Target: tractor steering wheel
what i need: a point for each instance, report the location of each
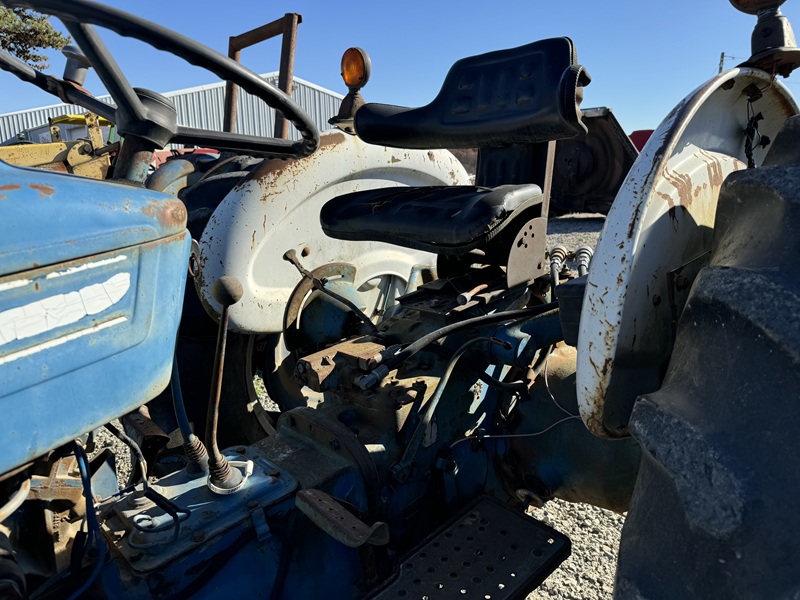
(142, 113)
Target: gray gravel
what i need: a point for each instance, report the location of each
(589, 572)
(122, 454)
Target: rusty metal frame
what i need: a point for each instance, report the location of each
(286, 26)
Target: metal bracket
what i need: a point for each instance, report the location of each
(680, 283)
(260, 524)
(526, 258)
(286, 26)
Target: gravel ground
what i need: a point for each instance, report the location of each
(589, 571)
(588, 574)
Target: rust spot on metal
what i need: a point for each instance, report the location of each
(431, 156)
(607, 365)
(394, 159)
(683, 185)
(44, 190)
(270, 167)
(714, 170)
(602, 371)
(171, 213)
(332, 139)
(10, 187)
(634, 219)
(173, 239)
(667, 198)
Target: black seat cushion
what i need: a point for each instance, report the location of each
(443, 220)
(521, 95)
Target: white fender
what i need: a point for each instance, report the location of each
(661, 221)
(277, 208)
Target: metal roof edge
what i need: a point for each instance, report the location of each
(198, 88)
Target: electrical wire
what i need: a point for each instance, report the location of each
(419, 432)
(16, 500)
(511, 315)
(511, 386)
(492, 436)
(137, 451)
(549, 393)
(179, 406)
(92, 523)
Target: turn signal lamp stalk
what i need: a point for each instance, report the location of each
(773, 46)
(356, 69)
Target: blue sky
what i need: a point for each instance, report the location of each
(644, 55)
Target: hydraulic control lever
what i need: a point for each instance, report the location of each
(222, 479)
(319, 285)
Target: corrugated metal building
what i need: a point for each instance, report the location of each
(201, 107)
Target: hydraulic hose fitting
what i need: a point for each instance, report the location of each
(583, 258)
(558, 258)
(197, 456)
(193, 448)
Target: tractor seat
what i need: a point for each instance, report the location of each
(510, 99)
(442, 220)
(519, 95)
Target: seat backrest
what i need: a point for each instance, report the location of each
(523, 95)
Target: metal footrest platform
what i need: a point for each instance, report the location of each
(489, 552)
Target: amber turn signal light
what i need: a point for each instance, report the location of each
(356, 68)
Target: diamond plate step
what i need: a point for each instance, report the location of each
(489, 552)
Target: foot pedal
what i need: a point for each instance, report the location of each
(336, 521)
(489, 552)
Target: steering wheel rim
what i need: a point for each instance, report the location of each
(79, 15)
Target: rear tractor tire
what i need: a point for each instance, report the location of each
(715, 510)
